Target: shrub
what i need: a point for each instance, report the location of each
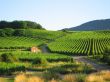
(51, 75)
(80, 77)
(59, 70)
(106, 56)
(8, 57)
(40, 61)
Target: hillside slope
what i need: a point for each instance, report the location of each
(93, 25)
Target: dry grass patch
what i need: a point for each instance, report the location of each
(69, 78)
(101, 76)
(94, 78)
(105, 75)
(35, 79)
(21, 78)
(25, 78)
(2, 79)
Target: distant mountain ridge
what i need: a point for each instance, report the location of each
(93, 25)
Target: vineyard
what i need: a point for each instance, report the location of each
(43, 34)
(29, 56)
(82, 43)
(8, 68)
(18, 42)
(40, 34)
(15, 55)
(25, 59)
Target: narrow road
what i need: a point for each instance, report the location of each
(44, 48)
(96, 65)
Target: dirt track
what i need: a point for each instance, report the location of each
(96, 65)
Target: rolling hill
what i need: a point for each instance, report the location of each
(93, 25)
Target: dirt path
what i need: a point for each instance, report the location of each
(96, 65)
(44, 48)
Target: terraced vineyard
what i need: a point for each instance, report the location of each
(27, 60)
(43, 34)
(82, 43)
(18, 42)
(29, 56)
(8, 68)
(25, 38)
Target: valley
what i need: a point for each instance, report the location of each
(60, 54)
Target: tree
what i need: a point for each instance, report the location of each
(20, 25)
(33, 25)
(4, 24)
(8, 57)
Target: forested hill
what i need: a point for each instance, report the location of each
(20, 25)
(93, 25)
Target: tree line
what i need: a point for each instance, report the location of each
(20, 25)
(15, 32)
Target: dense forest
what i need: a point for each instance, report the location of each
(20, 25)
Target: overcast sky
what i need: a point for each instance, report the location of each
(55, 14)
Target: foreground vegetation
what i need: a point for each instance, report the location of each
(103, 76)
(54, 63)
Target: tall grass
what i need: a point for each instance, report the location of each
(94, 78)
(69, 78)
(25, 78)
(103, 76)
(2, 79)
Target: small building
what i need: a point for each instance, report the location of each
(35, 50)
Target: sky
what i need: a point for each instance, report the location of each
(55, 14)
